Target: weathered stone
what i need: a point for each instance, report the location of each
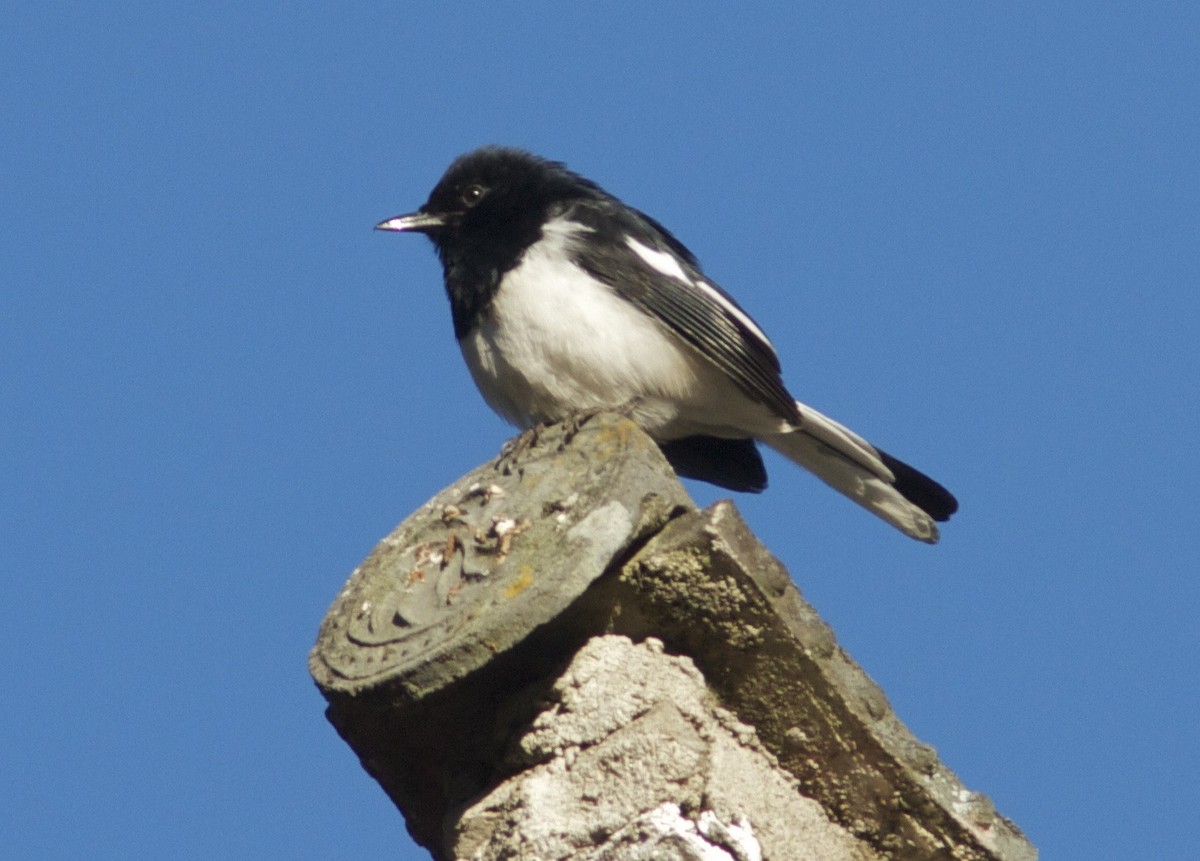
(625, 730)
(707, 588)
(558, 657)
(493, 557)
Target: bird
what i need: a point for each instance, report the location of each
(564, 299)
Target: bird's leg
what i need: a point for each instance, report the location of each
(574, 423)
(512, 450)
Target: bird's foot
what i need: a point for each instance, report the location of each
(574, 423)
(530, 438)
(515, 448)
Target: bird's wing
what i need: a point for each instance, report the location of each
(649, 267)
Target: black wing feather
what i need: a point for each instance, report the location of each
(699, 319)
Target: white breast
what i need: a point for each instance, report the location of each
(556, 341)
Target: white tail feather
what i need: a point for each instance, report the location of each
(849, 464)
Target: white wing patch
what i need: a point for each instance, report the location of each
(661, 261)
(668, 265)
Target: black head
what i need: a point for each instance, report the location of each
(485, 211)
(494, 195)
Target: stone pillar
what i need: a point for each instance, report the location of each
(559, 657)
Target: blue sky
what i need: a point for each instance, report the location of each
(971, 231)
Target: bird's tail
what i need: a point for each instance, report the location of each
(885, 486)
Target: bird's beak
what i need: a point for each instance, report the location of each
(416, 222)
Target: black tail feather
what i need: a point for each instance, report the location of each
(734, 464)
(921, 490)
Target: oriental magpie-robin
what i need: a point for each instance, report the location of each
(565, 299)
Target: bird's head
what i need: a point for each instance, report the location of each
(494, 194)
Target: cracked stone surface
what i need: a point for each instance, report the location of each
(559, 657)
(632, 750)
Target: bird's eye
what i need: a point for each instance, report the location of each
(472, 194)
